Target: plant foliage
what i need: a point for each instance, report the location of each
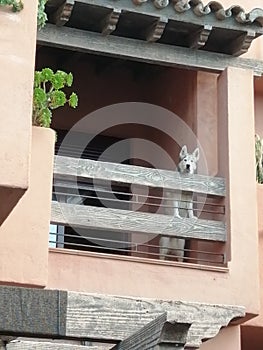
(16, 5)
(41, 14)
(259, 158)
(48, 95)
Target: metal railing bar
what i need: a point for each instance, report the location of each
(92, 188)
(136, 244)
(203, 210)
(137, 252)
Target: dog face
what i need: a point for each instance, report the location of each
(188, 161)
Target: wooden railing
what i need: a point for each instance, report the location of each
(69, 170)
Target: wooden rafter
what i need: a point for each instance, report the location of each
(62, 15)
(155, 32)
(110, 22)
(167, 55)
(199, 38)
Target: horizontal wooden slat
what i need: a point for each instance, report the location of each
(126, 48)
(139, 222)
(41, 345)
(86, 168)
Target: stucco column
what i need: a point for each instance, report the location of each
(24, 234)
(236, 162)
(17, 61)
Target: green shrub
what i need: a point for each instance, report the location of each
(16, 5)
(48, 95)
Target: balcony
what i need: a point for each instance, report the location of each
(124, 209)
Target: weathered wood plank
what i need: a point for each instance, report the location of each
(60, 314)
(145, 338)
(110, 317)
(139, 222)
(137, 175)
(25, 311)
(126, 48)
(157, 332)
(40, 345)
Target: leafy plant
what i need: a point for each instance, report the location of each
(259, 158)
(41, 14)
(48, 95)
(16, 5)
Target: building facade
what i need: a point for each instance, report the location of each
(84, 209)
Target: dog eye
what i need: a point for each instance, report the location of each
(185, 160)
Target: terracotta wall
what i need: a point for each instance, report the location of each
(24, 234)
(258, 321)
(18, 42)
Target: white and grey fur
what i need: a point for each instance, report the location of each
(182, 205)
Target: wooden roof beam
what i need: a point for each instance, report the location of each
(62, 15)
(155, 32)
(110, 22)
(198, 39)
(241, 45)
(138, 50)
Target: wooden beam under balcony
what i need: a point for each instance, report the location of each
(68, 315)
(45, 345)
(158, 334)
(142, 51)
(67, 167)
(138, 222)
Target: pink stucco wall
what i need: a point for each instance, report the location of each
(227, 339)
(18, 42)
(24, 234)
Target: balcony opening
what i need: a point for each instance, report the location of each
(125, 212)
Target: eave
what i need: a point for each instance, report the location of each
(181, 33)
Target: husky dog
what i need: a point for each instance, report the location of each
(182, 206)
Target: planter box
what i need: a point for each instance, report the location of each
(24, 234)
(17, 60)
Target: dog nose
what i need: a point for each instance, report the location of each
(187, 166)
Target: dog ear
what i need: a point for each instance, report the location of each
(196, 153)
(183, 152)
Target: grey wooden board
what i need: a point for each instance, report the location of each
(138, 222)
(32, 311)
(60, 314)
(111, 317)
(40, 345)
(126, 48)
(146, 338)
(86, 168)
(159, 331)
